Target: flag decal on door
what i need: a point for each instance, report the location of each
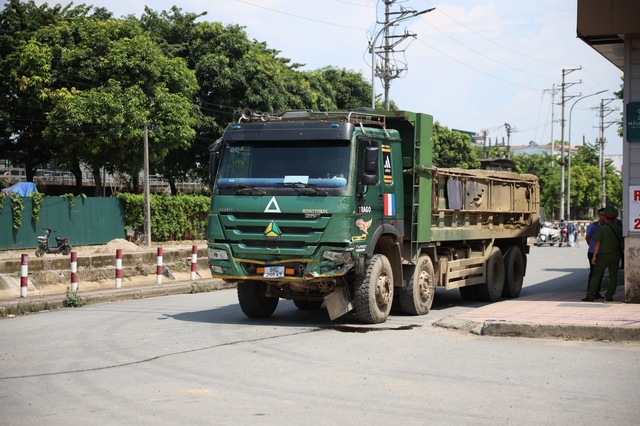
(389, 204)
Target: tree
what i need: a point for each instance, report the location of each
(105, 80)
(22, 110)
(540, 165)
(234, 73)
(452, 149)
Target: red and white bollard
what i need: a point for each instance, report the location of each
(74, 272)
(24, 274)
(159, 266)
(118, 268)
(194, 262)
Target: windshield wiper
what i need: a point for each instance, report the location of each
(307, 188)
(247, 190)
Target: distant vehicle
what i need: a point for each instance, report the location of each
(547, 235)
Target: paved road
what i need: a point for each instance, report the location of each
(195, 359)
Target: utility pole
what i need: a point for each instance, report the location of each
(553, 92)
(509, 129)
(147, 196)
(484, 143)
(565, 98)
(388, 71)
(569, 155)
(601, 142)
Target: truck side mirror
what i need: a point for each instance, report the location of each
(369, 174)
(214, 161)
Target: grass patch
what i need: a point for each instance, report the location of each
(26, 308)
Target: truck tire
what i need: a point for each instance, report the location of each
(307, 305)
(253, 301)
(514, 272)
(416, 297)
(491, 291)
(374, 292)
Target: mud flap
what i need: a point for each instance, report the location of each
(338, 303)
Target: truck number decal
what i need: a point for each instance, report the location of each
(636, 224)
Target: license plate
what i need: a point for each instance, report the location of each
(273, 271)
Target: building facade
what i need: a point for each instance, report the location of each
(612, 28)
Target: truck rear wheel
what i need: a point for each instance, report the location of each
(374, 292)
(253, 299)
(416, 297)
(491, 291)
(514, 272)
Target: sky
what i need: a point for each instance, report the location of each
(474, 65)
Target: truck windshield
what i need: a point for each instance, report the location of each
(288, 164)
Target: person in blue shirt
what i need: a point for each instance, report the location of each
(591, 230)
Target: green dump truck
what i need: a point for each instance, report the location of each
(347, 209)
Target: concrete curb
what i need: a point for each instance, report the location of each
(553, 331)
(92, 297)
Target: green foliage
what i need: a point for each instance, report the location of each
(452, 149)
(586, 181)
(17, 206)
(73, 299)
(37, 205)
(71, 200)
(181, 217)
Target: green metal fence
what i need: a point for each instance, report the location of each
(88, 221)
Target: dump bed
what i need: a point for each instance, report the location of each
(479, 204)
(449, 204)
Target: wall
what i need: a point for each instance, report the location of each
(631, 173)
(92, 220)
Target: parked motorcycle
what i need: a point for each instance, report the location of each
(548, 235)
(43, 244)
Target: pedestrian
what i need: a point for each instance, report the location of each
(572, 232)
(591, 230)
(606, 255)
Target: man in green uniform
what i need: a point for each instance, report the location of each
(606, 254)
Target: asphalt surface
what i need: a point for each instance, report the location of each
(556, 313)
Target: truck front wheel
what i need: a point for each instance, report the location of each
(374, 291)
(253, 299)
(416, 297)
(491, 291)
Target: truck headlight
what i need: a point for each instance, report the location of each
(218, 254)
(337, 256)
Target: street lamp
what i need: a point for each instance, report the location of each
(405, 14)
(569, 154)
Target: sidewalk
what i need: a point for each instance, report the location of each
(552, 315)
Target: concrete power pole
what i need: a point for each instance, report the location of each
(553, 92)
(565, 98)
(388, 70)
(510, 130)
(601, 142)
